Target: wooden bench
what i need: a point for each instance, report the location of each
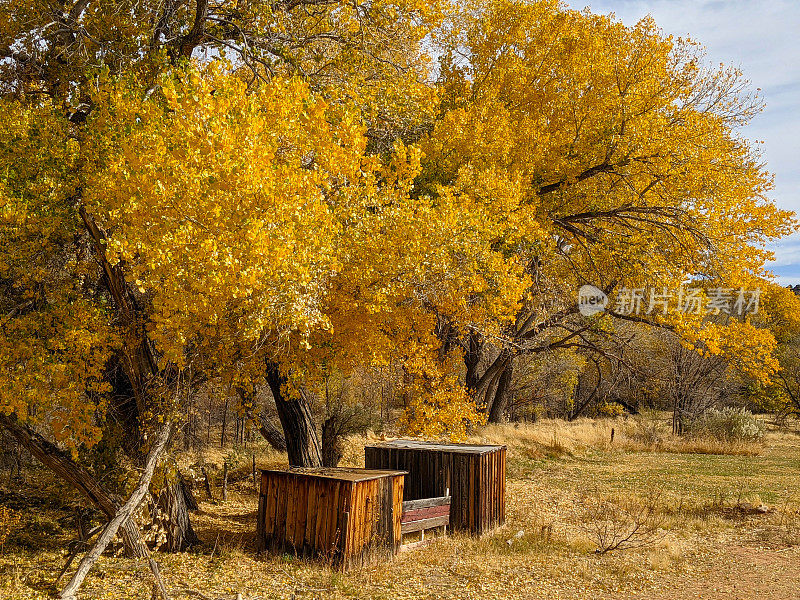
(426, 513)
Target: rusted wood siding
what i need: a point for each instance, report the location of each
(347, 522)
(474, 475)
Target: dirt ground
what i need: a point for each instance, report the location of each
(742, 573)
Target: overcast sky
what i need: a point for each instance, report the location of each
(760, 37)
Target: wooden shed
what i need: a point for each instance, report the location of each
(474, 477)
(348, 516)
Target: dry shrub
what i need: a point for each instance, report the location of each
(728, 424)
(665, 555)
(623, 523)
(789, 526)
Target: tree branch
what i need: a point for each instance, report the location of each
(122, 515)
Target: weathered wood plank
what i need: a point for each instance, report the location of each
(322, 513)
(482, 498)
(363, 520)
(425, 513)
(397, 509)
(270, 521)
(261, 523)
(280, 511)
(502, 471)
(473, 475)
(301, 514)
(425, 503)
(332, 521)
(350, 535)
(413, 526)
(311, 516)
(291, 508)
(370, 500)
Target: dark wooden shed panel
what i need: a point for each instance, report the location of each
(474, 475)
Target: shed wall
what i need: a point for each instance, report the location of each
(342, 521)
(475, 480)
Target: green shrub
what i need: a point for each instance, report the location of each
(728, 424)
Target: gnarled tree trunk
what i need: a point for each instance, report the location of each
(272, 434)
(302, 441)
(133, 370)
(496, 406)
(60, 463)
(472, 358)
(180, 534)
(268, 431)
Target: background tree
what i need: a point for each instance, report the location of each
(625, 171)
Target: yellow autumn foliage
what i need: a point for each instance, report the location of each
(310, 198)
(621, 162)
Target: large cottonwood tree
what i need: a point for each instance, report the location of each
(161, 219)
(605, 155)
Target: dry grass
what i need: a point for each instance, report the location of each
(691, 445)
(543, 551)
(552, 438)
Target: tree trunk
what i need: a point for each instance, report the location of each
(268, 431)
(224, 423)
(188, 495)
(472, 358)
(136, 366)
(497, 405)
(176, 498)
(577, 409)
(207, 483)
(331, 443)
(272, 434)
(484, 403)
(302, 442)
(180, 534)
(490, 376)
(139, 363)
(448, 337)
(122, 405)
(677, 417)
(60, 463)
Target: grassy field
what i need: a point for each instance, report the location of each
(711, 526)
